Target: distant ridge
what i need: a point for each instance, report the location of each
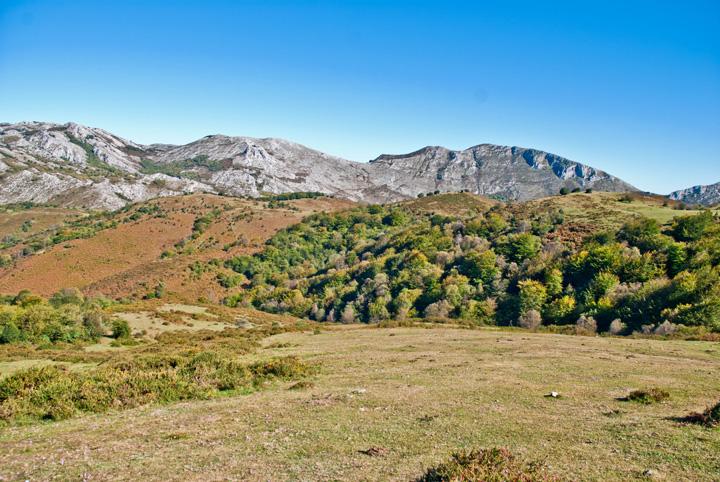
(706, 195)
(74, 165)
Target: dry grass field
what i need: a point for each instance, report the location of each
(412, 395)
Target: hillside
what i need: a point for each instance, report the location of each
(128, 252)
(611, 263)
(73, 165)
(293, 339)
(706, 195)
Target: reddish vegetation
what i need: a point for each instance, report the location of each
(126, 260)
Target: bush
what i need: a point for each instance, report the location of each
(530, 320)
(586, 325)
(709, 418)
(10, 333)
(617, 327)
(646, 397)
(120, 329)
(487, 465)
(53, 393)
(666, 328)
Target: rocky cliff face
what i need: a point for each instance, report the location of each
(490, 170)
(74, 165)
(705, 195)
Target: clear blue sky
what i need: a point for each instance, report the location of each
(632, 87)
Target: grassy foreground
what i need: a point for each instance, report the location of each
(390, 403)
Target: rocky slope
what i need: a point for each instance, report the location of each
(506, 172)
(706, 195)
(74, 165)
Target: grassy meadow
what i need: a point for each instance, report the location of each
(389, 403)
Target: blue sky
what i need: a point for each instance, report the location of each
(630, 87)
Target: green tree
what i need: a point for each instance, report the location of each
(479, 265)
(532, 295)
(691, 228)
(554, 282)
(520, 247)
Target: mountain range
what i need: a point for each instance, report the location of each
(705, 195)
(74, 165)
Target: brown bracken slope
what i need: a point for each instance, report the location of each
(159, 241)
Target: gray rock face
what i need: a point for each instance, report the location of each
(74, 165)
(506, 172)
(706, 195)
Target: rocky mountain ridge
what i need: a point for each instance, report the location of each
(707, 195)
(74, 165)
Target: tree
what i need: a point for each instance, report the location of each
(404, 302)
(560, 309)
(520, 247)
(480, 265)
(554, 282)
(564, 191)
(532, 296)
(480, 312)
(377, 309)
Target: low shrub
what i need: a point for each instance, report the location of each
(709, 418)
(586, 325)
(120, 329)
(530, 320)
(617, 327)
(651, 395)
(487, 465)
(55, 393)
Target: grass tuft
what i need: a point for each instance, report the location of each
(487, 465)
(647, 397)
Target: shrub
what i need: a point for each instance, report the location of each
(586, 325)
(666, 328)
(67, 296)
(120, 329)
(487, 465)
(10, 333)
(617, 327)
(54, 393)
(530, 320)
(646, 397)
(348, 314)
(438, 310)
(709, 418)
